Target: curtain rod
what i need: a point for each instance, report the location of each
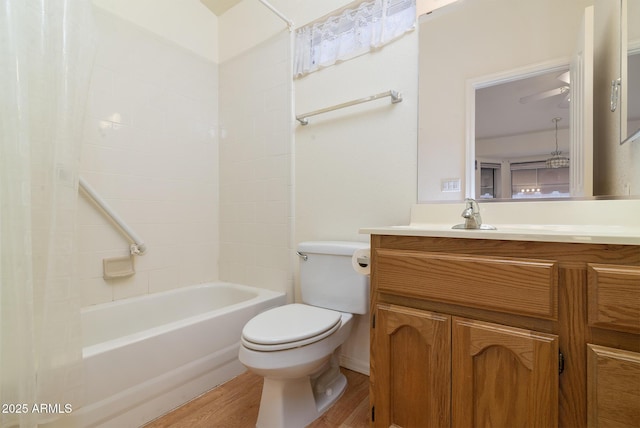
(277, 12)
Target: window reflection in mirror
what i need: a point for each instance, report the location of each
(535, 180)
(529, 180)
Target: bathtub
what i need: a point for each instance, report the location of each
(145, 356)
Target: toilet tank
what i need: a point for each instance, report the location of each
(328, 279)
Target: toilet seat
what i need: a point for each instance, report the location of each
(289, 326)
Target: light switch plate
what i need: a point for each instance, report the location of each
(450, 185)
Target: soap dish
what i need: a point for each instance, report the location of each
(117, 267)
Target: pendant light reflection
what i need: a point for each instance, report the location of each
(557, 161)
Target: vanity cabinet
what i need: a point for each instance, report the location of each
(613, 375)
(502, 333)
(413, 375)
(434, 370)
(496, 369)
(613, 387)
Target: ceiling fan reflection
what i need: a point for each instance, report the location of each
(562, 90)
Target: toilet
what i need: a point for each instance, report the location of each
(296, 347)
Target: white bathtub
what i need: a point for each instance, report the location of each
(147, 355)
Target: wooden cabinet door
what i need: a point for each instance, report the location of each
(411, 369)
(613, 387)
(503, 376)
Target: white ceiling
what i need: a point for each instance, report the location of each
(499, 111)
(219, 6)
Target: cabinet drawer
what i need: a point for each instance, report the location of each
(614, 297)
(518, 286)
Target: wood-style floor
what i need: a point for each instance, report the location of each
(235, 405)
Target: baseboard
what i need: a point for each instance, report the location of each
(354, 364)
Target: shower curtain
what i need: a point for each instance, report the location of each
(46, 54)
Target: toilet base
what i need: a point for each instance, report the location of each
(293, 403)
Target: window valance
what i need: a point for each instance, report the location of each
(369, 25)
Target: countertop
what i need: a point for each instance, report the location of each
(593, 234)
(594, 222)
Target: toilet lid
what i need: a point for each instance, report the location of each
(285, 326)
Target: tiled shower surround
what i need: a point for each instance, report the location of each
(255, 166)
(194, 156)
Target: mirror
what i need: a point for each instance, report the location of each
(469, 41)
(629, 96)
(616, 158)
(633, 88)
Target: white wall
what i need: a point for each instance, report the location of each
(151, 150)
(187, 23)
(356, 166)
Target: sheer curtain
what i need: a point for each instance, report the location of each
(352, 32)
(46, 53)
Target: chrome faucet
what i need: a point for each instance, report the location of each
(472, 218)
(471, 214)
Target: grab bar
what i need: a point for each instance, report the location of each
(138, 247)
(396, 97)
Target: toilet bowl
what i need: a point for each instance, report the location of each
(296, 347)
(300, 383)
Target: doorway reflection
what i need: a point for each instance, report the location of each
(515, 135)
